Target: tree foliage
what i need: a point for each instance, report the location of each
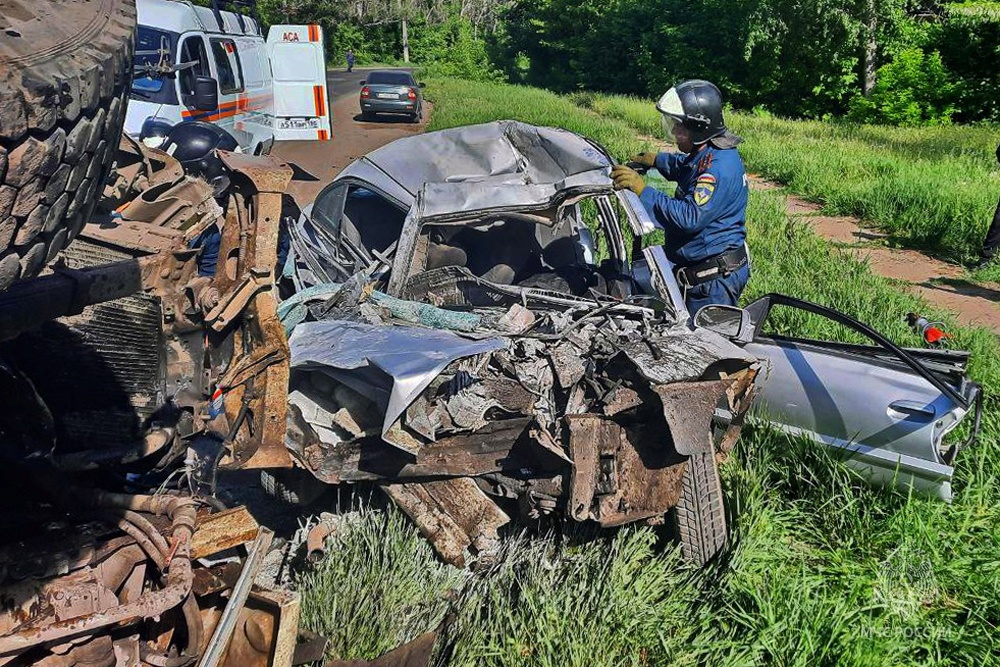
(914, 89)
(893, 61)
(445, 34)
(797, 58)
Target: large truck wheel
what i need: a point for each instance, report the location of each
(65, 75)
(701, 512)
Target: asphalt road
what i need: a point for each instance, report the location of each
(316, 163)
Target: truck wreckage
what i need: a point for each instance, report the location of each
(495, 340)
(120, 387)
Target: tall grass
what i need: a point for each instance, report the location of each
(934, 188)
(821, 567)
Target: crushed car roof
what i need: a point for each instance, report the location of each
(504, 152)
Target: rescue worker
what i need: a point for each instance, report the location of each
(350, 59)
(991, 244)
(704, 222)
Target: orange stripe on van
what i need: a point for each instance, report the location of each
(318, 100)
(323, 135)
(227, 109)
(313, 33)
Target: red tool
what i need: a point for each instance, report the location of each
(933, 333)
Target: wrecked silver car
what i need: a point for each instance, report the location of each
(485, 324)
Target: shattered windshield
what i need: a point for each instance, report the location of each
(153, 77)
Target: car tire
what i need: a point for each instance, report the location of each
(415, 118)
(293, 486)
(65, 74)
(367, 115)
(701, 512)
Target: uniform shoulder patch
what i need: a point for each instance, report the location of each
(704, 188)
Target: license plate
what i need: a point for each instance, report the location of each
(388, 96)
(298, 123)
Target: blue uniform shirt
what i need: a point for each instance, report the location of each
(707, 214)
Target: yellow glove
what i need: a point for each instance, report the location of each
(627, 178)
(646, 159)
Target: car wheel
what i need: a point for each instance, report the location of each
(65, 74)
(415, 118)
(701, 512)
(367, 115)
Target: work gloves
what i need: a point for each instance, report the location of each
(645, 159)
(625, 178)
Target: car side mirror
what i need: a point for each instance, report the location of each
(206, 93)
(361, 83)
(422, 84)
(729, 321)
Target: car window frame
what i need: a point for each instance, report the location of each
(340, 204)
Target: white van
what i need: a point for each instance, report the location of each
(199, 63)
(301, 104)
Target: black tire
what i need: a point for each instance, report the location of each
(367, 115)
(291, 485)
(65, 74)
(701, 512)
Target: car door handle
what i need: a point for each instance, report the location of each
(910, 409)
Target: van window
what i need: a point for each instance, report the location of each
(228, 63)
(192, 51)
(152, 63)
(253, 78)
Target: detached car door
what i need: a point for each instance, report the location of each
(887, 408)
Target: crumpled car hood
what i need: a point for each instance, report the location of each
(390, 364)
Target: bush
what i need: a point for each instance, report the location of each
(452, 50)
(913, 90)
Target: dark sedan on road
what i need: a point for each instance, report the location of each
(391, 91)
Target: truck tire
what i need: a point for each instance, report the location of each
(65, 74)
(293, 486)
(701, 512)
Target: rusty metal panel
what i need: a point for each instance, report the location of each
(621, 474)
(416, 653)
(688, 408)
(584, 433)
(499, 445)
(453, 514)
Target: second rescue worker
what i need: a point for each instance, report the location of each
(704, 222)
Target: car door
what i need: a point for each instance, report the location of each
(886, 408)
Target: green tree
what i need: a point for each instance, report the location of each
(914, 89)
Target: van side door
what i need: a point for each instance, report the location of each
(254, 115)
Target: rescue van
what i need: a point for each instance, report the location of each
(301, 107)
(202, 63)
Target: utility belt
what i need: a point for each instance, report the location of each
(719, 266)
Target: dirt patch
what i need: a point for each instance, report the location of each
(944, 285)
(316, 163)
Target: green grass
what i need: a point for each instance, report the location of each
(933, 188)
(806, 582)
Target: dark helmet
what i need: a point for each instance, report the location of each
(154, 131)
(695, 104)
(194, 145)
